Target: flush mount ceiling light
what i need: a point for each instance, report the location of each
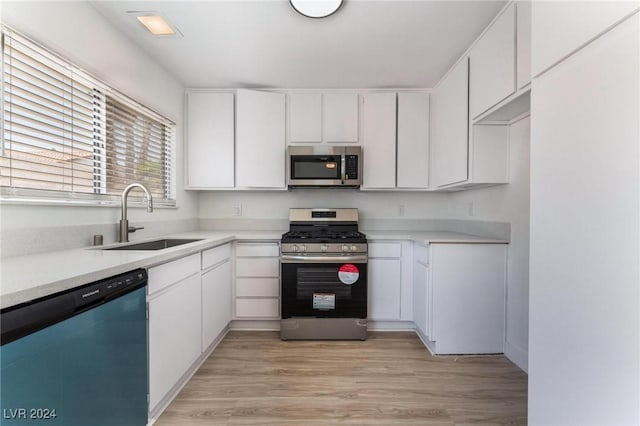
(156, 25)
(316, 8)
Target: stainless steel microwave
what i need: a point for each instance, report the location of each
(324, 166)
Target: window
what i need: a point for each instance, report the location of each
(68, 136)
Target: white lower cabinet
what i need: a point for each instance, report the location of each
(384, 289)
(421, 290)
(175, 321)
(389, 292)
(468, 298)
(257, 282)
(216, 296)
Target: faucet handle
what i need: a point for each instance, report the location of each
(134, 229)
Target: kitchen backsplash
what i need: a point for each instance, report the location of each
(24, 241)
(498, 230)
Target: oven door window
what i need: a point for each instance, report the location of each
(321, 290)
(316, 167)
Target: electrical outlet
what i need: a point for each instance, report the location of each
(237, 210)
(400, 210)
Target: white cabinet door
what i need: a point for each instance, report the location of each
(585, 167)
(305, 117)
(216, 302)
(379, 140)
(523, 43)
(492, 74)
(468, 297)
(384, 289)
(260, 139)
(340, 117)
(175, 324)
(558, 28)
(450, 127)
(210, 153)
(413, 140)
(420, 297)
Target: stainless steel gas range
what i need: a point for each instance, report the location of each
(324, 276)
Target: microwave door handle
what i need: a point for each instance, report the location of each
(343, 168)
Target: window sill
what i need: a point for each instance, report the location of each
(81, 203)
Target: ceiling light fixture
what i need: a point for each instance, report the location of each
(156, 25)
(316, 8)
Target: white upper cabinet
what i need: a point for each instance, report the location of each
(379, 140)
(340, 117)
(492, 72)
(523, 43)
(489, 154)
(210, 151)
(561, 27)
(413, 141)
(305, 117)
(449, 127)
(260, 139)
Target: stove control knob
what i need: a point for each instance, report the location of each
(303, 247)
(294, 247)
(323, 247)
(354, 248)
(345, 248)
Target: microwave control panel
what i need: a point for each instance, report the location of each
(351, 167)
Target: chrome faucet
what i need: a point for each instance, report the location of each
(124, 223)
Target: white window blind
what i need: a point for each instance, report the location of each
(66, 135)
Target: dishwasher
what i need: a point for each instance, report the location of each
(78, 357)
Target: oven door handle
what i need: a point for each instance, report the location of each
(289, 258)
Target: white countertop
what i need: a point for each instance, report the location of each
(431, 237)
(26, 278)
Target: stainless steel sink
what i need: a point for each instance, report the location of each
(156, 244)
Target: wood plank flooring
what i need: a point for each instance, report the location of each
(254, 378)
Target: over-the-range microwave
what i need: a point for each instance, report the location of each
(324, 166)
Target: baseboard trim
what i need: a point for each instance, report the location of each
(518, 356)
(274, 325)
(426, 342)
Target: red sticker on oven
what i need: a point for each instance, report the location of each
(348, 273)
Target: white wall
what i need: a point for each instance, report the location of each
(508, 203)
(79, 33)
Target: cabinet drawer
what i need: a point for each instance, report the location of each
(385, 250)
(215, 255)
(164, 275)
(257, 287)
(258, 250)
(421, 254)
(257, 308)
(258, 267)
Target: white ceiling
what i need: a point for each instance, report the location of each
(366, 44)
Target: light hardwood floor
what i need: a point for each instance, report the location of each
(254, 378)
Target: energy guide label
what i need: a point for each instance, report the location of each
(324, 301)
(348, 274)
